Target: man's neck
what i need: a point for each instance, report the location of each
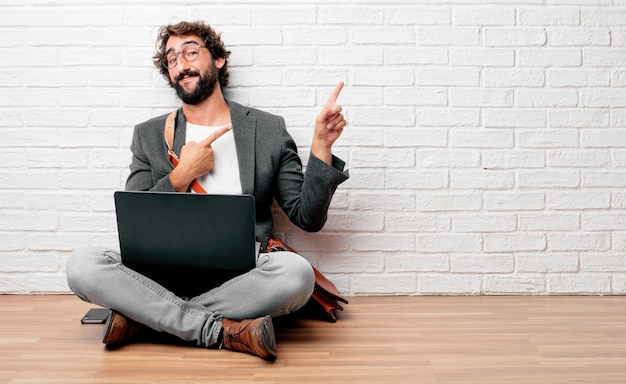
(214, 111)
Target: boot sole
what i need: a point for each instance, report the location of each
(268, 340)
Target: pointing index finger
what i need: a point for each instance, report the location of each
(335, 94)
(216, 135)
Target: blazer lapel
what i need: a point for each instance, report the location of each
(179, 133)
(244, 130)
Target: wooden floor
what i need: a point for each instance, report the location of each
(474, 339)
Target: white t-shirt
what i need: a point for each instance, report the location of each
(224, 178)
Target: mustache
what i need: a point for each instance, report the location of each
(187, 73)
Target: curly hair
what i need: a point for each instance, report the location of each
(212, 41)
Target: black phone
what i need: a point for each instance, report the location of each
(95, 316)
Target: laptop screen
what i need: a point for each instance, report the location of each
(186, 230)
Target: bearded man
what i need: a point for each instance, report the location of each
(229, 149)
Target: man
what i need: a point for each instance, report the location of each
(227, 148)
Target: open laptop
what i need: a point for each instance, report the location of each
(166, 231)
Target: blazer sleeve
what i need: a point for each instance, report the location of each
(149, 168)
(305, 197)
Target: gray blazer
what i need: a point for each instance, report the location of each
(269, 167)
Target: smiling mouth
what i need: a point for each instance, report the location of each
(187, 75)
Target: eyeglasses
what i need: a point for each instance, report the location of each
(190, 53)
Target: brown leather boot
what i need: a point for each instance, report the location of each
(120, 330)
(255, 336)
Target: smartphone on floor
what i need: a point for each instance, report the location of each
(95, 316)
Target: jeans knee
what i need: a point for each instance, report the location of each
(300, 278)
(306, 277)
(81, 269)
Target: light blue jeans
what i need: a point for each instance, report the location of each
(282, 282)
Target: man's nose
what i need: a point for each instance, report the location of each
(181, 62)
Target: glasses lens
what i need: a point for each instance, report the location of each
(169, 61)
(191, 52)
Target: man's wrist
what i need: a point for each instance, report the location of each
(179, 181)
(322, 152)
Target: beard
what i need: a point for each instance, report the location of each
(205, 87)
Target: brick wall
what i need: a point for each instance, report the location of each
(486, 145)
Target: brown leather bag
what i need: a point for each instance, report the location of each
(325, 295)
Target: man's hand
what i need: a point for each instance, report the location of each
(196, 159)
(328, 127)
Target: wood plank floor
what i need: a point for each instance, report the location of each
(510, 339)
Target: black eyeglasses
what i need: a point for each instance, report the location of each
(189, 52)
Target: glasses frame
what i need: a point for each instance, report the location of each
(165, 60)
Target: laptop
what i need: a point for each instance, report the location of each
(186, 231)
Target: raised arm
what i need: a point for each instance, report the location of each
(328, 127)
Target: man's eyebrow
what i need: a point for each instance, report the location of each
(184, 44)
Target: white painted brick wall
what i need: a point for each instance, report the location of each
(486, 145)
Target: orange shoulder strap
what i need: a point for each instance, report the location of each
(168, 132)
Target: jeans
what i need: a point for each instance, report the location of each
(281, 282)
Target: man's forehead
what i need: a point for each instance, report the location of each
(181, 41)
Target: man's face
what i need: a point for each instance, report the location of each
(194, 81)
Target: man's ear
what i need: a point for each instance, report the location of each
(219, 62)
